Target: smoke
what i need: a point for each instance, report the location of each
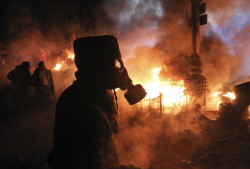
(220, 67)
(147, 140)
(231, 25)
(151, 33)
(146, 30)
(165, 40)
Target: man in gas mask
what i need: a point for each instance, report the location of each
(86, 114)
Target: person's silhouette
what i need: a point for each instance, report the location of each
(86, 115)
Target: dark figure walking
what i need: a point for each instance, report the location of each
(86, 115)
(44, 86)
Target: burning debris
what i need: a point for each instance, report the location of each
(165, 96)
(65, 63)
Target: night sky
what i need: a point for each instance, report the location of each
(49, 17)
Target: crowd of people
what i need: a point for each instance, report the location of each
(27, 88)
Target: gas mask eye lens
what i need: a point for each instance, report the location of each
(119, 65)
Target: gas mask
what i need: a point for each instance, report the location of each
(134, 93)
(99, 58)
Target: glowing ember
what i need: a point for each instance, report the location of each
(58, 66)
(172, 92)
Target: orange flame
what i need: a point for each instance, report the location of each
(172, 92)
(71, 55)
(63, 63)
(217, 93)
(58, 66)
(230, 95)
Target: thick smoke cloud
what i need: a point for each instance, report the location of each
(168, 41)
(220, 67)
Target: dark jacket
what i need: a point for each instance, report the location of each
(85, 122)
(43, 80)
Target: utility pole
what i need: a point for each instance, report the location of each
(196, 83)
(197, 18)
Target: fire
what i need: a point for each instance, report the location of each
(172, 92)
(229, 95)
(58, 66)
(66, 61)
(217, 93)
(71, 56)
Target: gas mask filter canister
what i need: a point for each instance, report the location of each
(134, 93)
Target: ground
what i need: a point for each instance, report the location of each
(182, 141)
